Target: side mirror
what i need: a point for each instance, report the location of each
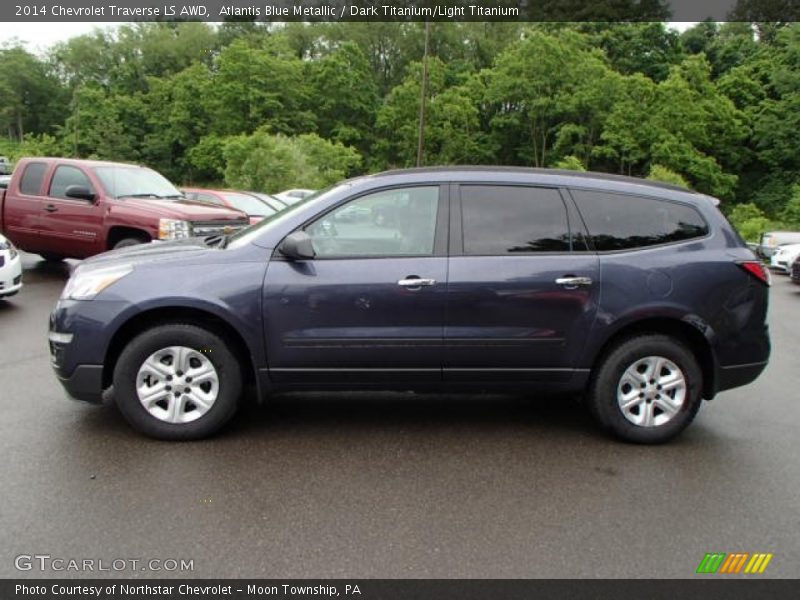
(297, 246)
(81, 192)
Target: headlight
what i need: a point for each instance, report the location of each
(173, 229)
(7, 245)
(85, 285)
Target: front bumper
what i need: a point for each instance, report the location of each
(85, 383)
(10, 275)
(79, 338)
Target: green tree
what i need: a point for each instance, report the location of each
(96, 127)
(750, 221)
(570, 163)
(662, 173)
(542, 84)
(258, 85)
(647, 48)
(31, 99)
(265, 162)
(346, 96)
(790, 215)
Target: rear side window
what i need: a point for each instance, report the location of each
(501, 219)
(66, 176)
(620, 222)
(31, 183)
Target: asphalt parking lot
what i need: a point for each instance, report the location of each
(395, 485)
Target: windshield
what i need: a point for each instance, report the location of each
(136, 181)
(271, 200)
(248, 234)
(248, 204)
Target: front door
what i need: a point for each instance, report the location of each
(70, 226)
(370, 305)
(522, 286)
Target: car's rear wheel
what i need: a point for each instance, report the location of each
(177, 382)
(647, 389)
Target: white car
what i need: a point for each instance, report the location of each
(293, 196)
(10, 269)
(783, 257)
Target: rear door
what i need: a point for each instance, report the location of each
(71, 226)
(370, 306)
(522, 291)
(23, 204)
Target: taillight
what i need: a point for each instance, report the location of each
(757, 270)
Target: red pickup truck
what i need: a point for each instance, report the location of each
(59, 207)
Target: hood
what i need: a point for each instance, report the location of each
(186, 210)
(145, 253)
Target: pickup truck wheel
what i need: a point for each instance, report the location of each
(124, 243)
(647, 389)
(49, 257)
(177, 382)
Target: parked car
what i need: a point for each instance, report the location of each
(254, 207)
(771, 240)
(293, 196)
(58, 207)
(5, 166)
(637, 294)
(278, 205)
(10, 269)
(783, 257)
(4, 180)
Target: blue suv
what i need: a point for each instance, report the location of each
(639, 296)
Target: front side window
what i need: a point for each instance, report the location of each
(398, 222)
(31, 182)
(504, 219)
(66, 176)
(621, 222)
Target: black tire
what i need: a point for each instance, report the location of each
(197, 338)
(607, 376)
(50, 257)
(131, 241)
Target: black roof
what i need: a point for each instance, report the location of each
(589, 175)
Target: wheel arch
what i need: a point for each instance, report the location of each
(689, 334)
(119, 232)
(179, 314)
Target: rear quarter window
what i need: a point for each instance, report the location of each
(623, 222)
(31, 183)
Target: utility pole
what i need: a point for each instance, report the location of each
(77, 115)
(423, 97)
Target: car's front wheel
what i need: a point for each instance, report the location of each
(646, 389)
(177, 381)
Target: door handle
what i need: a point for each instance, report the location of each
(573, 282)
(50, 207)
(412, 281)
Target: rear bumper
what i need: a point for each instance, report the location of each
(738, 375)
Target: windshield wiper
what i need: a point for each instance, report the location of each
(144, 195)
(218, 240)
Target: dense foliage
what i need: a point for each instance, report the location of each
(716, 108)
